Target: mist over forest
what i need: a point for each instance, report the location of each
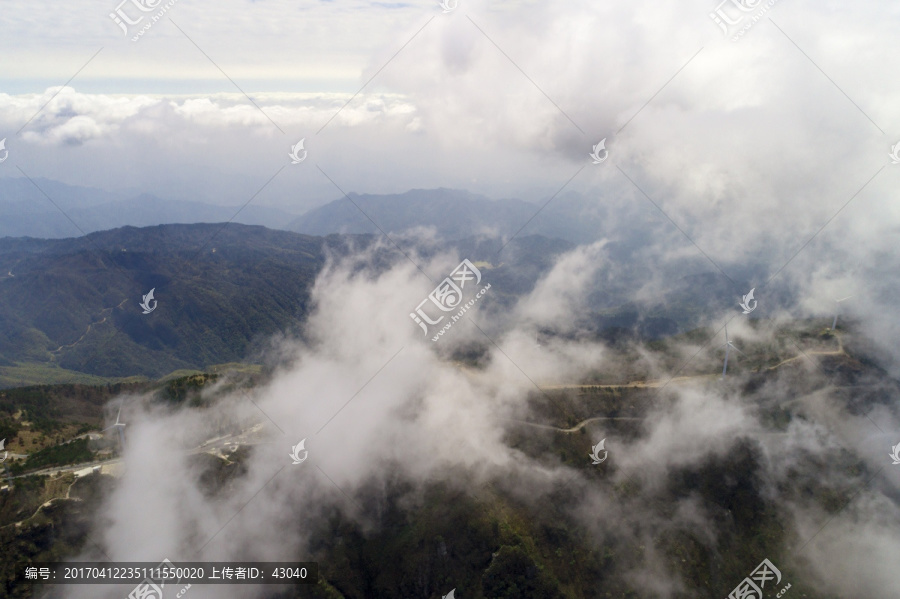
(451, 299)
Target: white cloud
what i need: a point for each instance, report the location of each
(750, 149)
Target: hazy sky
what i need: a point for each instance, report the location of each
(503, 97)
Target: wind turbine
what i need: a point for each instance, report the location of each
(728, 345)
(9, 482)
(120, 427)
(837, 309)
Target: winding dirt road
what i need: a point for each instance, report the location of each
(653, 384)
(633, 384)
(578, 426)
(80, 339)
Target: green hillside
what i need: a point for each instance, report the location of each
(71, 307)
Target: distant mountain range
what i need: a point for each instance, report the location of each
(49, 209)
(69, 301)
(455, 214)
(52, 210)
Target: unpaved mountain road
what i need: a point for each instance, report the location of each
(656, 384)
(88, 330)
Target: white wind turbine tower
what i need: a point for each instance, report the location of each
(837, 310)
(728, 345)
(120, 427)
(9, 482)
